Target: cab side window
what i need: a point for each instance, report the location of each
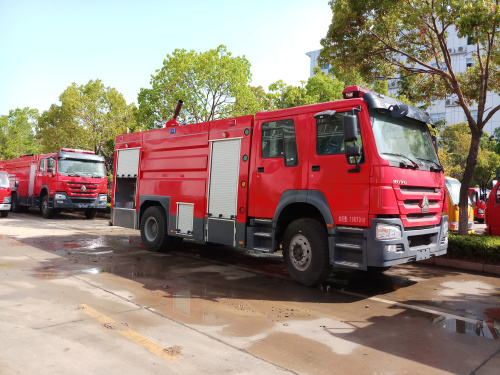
(278, 141)
(497, 198)
(330, 136)
(43, 163)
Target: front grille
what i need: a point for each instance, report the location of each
(82, 200)
(420, 216)
(421, 240)
(75, 189)
(418, 190)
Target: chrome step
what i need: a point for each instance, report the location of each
(347, 264)
(263, 234)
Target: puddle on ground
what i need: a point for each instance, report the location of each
(489, 329)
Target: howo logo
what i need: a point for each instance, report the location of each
(425, 204)
(399, 182)
(83, 189)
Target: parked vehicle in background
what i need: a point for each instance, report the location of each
(67, 180)
(478, 198)
(452, 209)
(354, 183)
(493, 211)
(5, 193)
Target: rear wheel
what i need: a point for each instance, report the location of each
(47, 212)
(4, 213)
(90, 213)
(305, 251)
(154, 231)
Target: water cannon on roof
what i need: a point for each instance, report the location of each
(174, 121)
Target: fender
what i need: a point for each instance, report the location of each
(164, 202)
(313, 197)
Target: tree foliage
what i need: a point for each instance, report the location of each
(408, 39)
(17, 133)
(88, 117)
(210, 83)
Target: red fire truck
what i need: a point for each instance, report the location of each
(493, 211)
(5, 193)
(354, 183)
(67, 180)
(478, 198)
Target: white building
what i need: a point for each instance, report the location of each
(461, 55)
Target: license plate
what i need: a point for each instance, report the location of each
(423, 254)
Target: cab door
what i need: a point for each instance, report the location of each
(345, 187)
(276, 164)
(40, 175)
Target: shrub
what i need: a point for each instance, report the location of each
(475, 247)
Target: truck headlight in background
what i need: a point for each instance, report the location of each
(480, 211)
(7, 200)
(388, 231)
(103, 198)
(60, 196)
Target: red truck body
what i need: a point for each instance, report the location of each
(291, 180)
(478, 200)
(67, 180)
(5, 193)
(493, 211)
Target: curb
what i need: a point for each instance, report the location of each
(463, 265)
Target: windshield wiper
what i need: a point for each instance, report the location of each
(413, 164)
(439, 166)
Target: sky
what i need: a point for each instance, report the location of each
(46, 45)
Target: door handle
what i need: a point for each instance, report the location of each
(260, 169)
(315, 168)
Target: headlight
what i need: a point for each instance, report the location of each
(388, 231)
(480, 211)
(103, 198)
(60, 196)
(445, 228)
(6, 200)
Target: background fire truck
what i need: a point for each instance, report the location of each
(354, 183)
(67, 180)
(5, 193)
(493, 211)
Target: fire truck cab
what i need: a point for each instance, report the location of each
(354, 183)
(5, 193)
(493, 211)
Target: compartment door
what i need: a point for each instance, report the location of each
(223, 191)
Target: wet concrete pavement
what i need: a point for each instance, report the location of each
(80, 296)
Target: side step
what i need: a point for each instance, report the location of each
(349, 248)
(260, 235)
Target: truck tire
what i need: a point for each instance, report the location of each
(15, 204)
(4, 213)
(90, 213)
(154, 233)
(47, 212)
(305, 251)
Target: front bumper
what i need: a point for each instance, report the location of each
(63, 201)
(414, 244)
(4, 206)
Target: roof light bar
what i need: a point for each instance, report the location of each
(354, 92)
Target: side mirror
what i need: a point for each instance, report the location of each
(352, 150)
(350, 124)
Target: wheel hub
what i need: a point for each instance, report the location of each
(151, 229)
(300, 252)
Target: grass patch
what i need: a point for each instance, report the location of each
(475, 247)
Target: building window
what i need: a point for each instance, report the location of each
(438, 117)
(474, 114)
(469, 62)
(469, 40)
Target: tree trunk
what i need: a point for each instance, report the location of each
(466, 181)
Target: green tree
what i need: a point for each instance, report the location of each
(408, 38)
(324, 87)
(210, 83)
(17, 133)
(88, 117)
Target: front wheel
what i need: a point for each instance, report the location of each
(90, 213)
(305, 251)
(15, 204)
(47, 212)
(154, 231)
(4, 213)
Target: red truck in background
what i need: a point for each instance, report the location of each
(354, 183)
(5, 193)
(478, 198)
(493, 211)
(66, 180)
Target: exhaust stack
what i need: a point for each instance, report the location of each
(174, 122)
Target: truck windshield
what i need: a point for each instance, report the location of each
(81, 168)
(403, 139)
(4, 180)
(453, 187)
